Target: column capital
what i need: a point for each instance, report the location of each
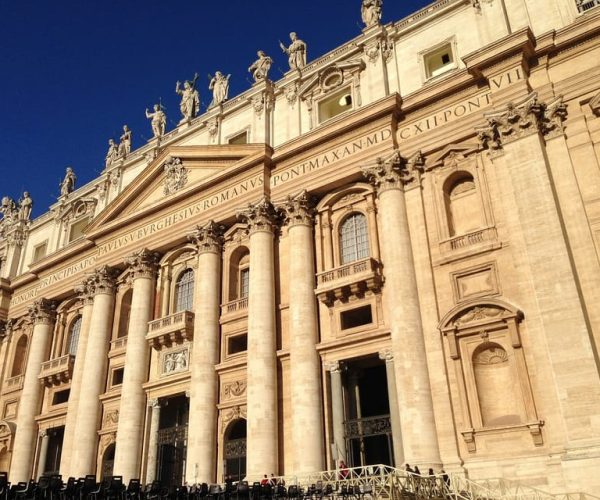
(207, 238)
(85, 292)
(297, 210)
(103, 281)
(520, 119)
(335, 366)
(154, 404)
(143, 264)
(43, 311)
(386, 355)
(394, 171)
(43, 433)
(6, 328)
(259, 217)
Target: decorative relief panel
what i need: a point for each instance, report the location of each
(230, 414)
(175, 362)
(176, 176)
(475, 282)
(111, 418)
(232, 390)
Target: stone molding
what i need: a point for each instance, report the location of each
(595, 104)
(523, 118)
(259, 217)
(103, 281)
(43, 312)
(143, 264)
(297, 210)
(207, 238)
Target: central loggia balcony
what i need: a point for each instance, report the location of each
(355, 278)
(173, 329)
(57, 371)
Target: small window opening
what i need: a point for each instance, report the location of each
(39, 252)
(117, 377)
(61, 397)
(237, 344)
(335, 105)
(356, 317)
(240, 138)
(439, 61)
(77, 229)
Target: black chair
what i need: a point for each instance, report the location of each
(154, 491)
(25, 490)
(328, 491)
(43, 488)
(134, 490)
(203, 491)
(293, 492)
(280, 492)
(215, 491)
(87, 485)
(242, 490)
(4, 485)
(56, 486)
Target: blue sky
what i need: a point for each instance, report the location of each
(73, 72)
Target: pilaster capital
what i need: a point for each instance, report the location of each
(207, 238)
(43, 312)
(521, 119)
(16, 236)
(297, 210)
(85, 292)
(335, 367)
(259, 217)
(386, 355)
(43, 433)
(103, 281)
(143, 264)
(154, 404)
(394, 171)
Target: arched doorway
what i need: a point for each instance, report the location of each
(108, 461)
(235, 450)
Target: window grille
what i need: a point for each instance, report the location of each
(583, 5)
(74, 336)
(354, 239)
(244, 282)
(184, 291)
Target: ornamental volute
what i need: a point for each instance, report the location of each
(143, 264)
(43, 312)
(207, 238)
(259, 217)
(297, 210)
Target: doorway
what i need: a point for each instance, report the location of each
(235, 450)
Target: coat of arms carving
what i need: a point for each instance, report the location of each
(176, 176)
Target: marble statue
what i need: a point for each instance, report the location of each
(8, 209)
(190, 99)
(25, 207)
(68, 184)
(219, 84)
(371, 12)
(260, 68)
(125, 144)
(112, 153)
(159, 121)
(296, 52)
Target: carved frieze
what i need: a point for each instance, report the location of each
(232, 390)
(477, 314)
(230, 414)
(208, 238)
(176, 176)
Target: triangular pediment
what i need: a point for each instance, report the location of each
(177, 173)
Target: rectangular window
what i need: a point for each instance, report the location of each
(39, 252)
(237, 344)
(354, 318)
(77, 228)
(61, 397)
(335, 105)
(439, 61)
(239, 138)
(244, 282)
(117, 376)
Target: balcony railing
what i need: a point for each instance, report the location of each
(173, 329)
(583, 5)
(469, 240)
(13, 384)
(351, 279)
(119, 344)
(57, 371)
(235, 306)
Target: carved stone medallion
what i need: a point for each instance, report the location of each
(176, 176)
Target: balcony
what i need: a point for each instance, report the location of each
(13, 384)
(118, 346)
(585, 5)
(355, 278)
(57, 371)
(173, 329)
(466, 241)
(238, 306)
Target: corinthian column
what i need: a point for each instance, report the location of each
(86, 295)
(202, 434)
(43, 315)
(143, 267)
(153, 441)
(85, 446)
(401, 300)
(305, 364)
(262, 440)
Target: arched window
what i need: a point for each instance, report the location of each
(496, 382)
(184, 291)
(74, 336)
(239, 274)
(20, 353)
(354, 238)
(125, 313)
(244, 276)
(463, 205)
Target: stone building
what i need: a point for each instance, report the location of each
(390, 255)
